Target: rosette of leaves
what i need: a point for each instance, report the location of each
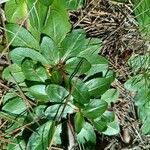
(60, 76)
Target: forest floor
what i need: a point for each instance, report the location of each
(115, 25)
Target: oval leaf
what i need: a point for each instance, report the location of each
(50, 50)
(80, 93)
(73, 44)
(22, 37)
(39, 92)
(33, 72)
(110, 95)
(15, 11)
(112, 128)
(98, 86)
(13, 73)
(79, 122)
(18, 54)
(79, 64)
(87, 134)
(56, 93)
(57, 109)
(14, 106)
(95, 108)
(40, 139)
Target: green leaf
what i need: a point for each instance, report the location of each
(98, 64)
(14, 106)
(145, 127)
(52, 93)
(40, 111)
(79, 122)
(98, 86)
(40, 139)
(16, 123)
(56, 76)
(80, 93)
(22, 37)
(143, 112)
(39, 93)
(50, 50)
(13, 73)
(18, 54)
(142, 97)
(101, 122)
(87, 134)
(15, 11)
(37, 16)
(56, 93)
(19, 145)
(79, 64)
(73, 44)
(34, 72)
(52, 110)
(74, 4)
(46, 2)
(56, 23)
(112, 128)
(142, 13)
(95, 108)
(9, 95)
(110, 95)
(135, 83)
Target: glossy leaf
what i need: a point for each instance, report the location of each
(15, 106)
(145, 127)
(135, 83)
(142, 13)
(56, 93)
(95, 108)
(142, 97)
(19, 145)
(22, 37)
(91, 47)
(46, 2)
(15, 11)
(112, 128)
(98, 64)
(74, 4)
(80, 93)
(18, 54)
(42, 137)
(110, 95)
(79, 122)
(98, 86)
(87, 134)
(33, 72)
(101, 122)
(56, 23)
(40, 111)
(50, 50)
(13, 73)
(56, 76)
(55, 111)
(37, 16)
(73, 44)
(39, 92)
(79, 64)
